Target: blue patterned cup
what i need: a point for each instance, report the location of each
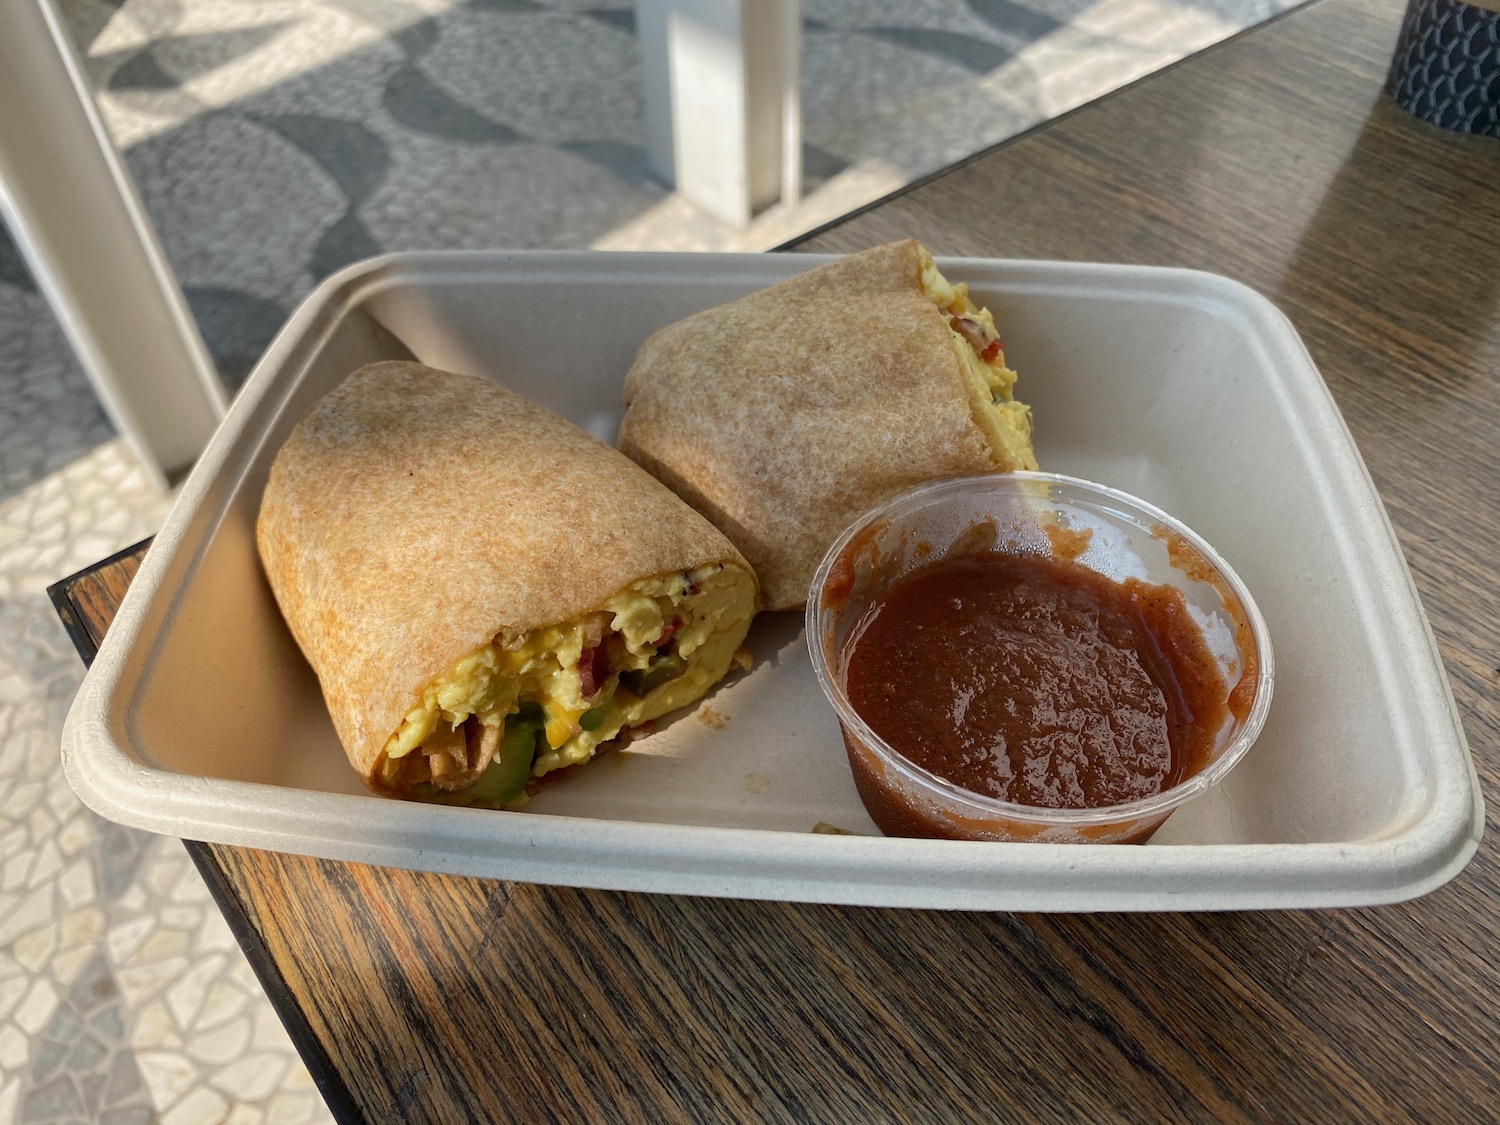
(1446, 69)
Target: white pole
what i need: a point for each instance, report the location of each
(791, 102)
(75, 214)
(722, 103)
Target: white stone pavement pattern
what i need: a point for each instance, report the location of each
(274, 142)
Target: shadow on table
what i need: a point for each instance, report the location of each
(1445, 294)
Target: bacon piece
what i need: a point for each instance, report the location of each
(445, 755)
(667, 630)
(593, 661)
(593, 670)
(979, 339)
(481, 742)
(456, 758)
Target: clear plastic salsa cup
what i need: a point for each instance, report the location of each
(1101, 528)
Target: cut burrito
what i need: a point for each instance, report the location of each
(786, 414)
(486, 593)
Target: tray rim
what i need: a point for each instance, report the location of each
(1433, 846)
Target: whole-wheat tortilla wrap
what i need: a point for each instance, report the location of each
(786, 414)
(487, 593)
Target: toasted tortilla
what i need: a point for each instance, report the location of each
(415, 516)
(785, 415)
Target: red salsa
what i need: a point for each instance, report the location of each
(1038, 681)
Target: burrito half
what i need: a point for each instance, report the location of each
(486, 593)
(786, 414)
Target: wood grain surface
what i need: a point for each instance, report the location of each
(1275, 160)
(86, 601)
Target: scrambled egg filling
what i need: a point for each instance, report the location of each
(1006, 422)
(655, 646)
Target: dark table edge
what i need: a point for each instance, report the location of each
(60, 594)
(325, 1075)
(948, 169)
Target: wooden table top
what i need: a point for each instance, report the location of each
(1273, 159)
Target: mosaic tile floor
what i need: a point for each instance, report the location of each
(274, 141)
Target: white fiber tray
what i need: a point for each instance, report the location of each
(200, 719)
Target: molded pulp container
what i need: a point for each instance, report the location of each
(1102, 529)
(200, 718)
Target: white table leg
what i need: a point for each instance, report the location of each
(723, 108)
(75, 214)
